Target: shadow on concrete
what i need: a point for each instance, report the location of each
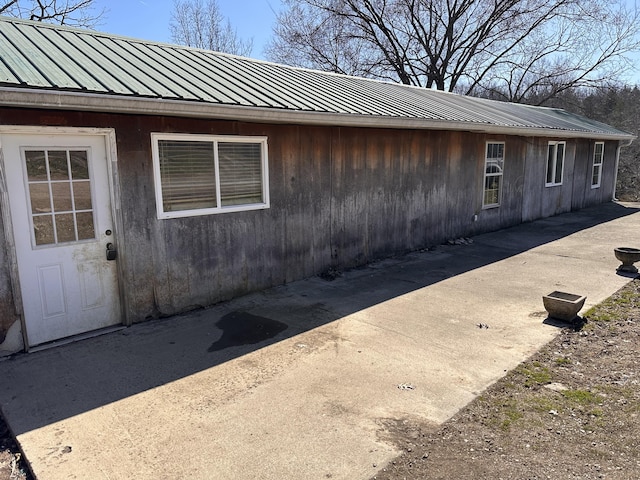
(576, 325)
(627, 274)
(47, 386)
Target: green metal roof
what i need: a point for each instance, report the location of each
(59, 67)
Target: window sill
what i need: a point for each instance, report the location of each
(207, 212)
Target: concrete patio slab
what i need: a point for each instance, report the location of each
(185, 398)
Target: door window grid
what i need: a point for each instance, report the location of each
(59, 192)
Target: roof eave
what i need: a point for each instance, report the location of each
(36, 98)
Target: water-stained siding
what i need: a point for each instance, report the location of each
(340, 197)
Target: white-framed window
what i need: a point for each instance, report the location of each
(493, 167)
(598, 156)
(207, 174)
(555, 163)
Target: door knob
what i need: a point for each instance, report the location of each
(112, 253)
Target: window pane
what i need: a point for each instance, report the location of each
(490, 198)
(36, 166)
(79, 165)
(65, 227)
(495, 150)
(559, 163)
(61, 197)
(85, 225)
(597, 164)
(82, 195)
(58, 167)
(39, 194)
(187, 171)
(240, 167)
(598, 154)
(494, 164)
(550, 157)
(492, 190)
(43, 229)
(595, 180)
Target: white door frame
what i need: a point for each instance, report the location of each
(109, 136)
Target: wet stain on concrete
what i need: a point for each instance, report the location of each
(242, 328)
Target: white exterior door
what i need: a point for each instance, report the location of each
(60, 203)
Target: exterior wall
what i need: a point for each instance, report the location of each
(340, 197)
(583, 195)
(510, 210)
(575, 192)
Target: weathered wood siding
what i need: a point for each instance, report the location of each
(583, 195)
(575, 191)
(7, 309)
(340, 197)
(510, 210)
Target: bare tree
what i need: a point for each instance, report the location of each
(202, 25)
(77, 13)
(513, 49)
(308, 37)
(588, 45)
(618, 106)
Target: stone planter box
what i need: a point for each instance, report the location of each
(562, 305)
(628, 256)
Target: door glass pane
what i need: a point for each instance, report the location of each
(58, 167)
(65, 227)
(43, 229)
(82, 195)
(61, 197)
(84, 221)
(51, 190)
(36, 165)
(79, 165)
(40, 201)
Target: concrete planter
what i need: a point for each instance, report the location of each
(562, 305)
(628, 256)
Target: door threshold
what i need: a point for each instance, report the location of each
(75, 338)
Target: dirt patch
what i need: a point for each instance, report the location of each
(12, 466)
(572, 411)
